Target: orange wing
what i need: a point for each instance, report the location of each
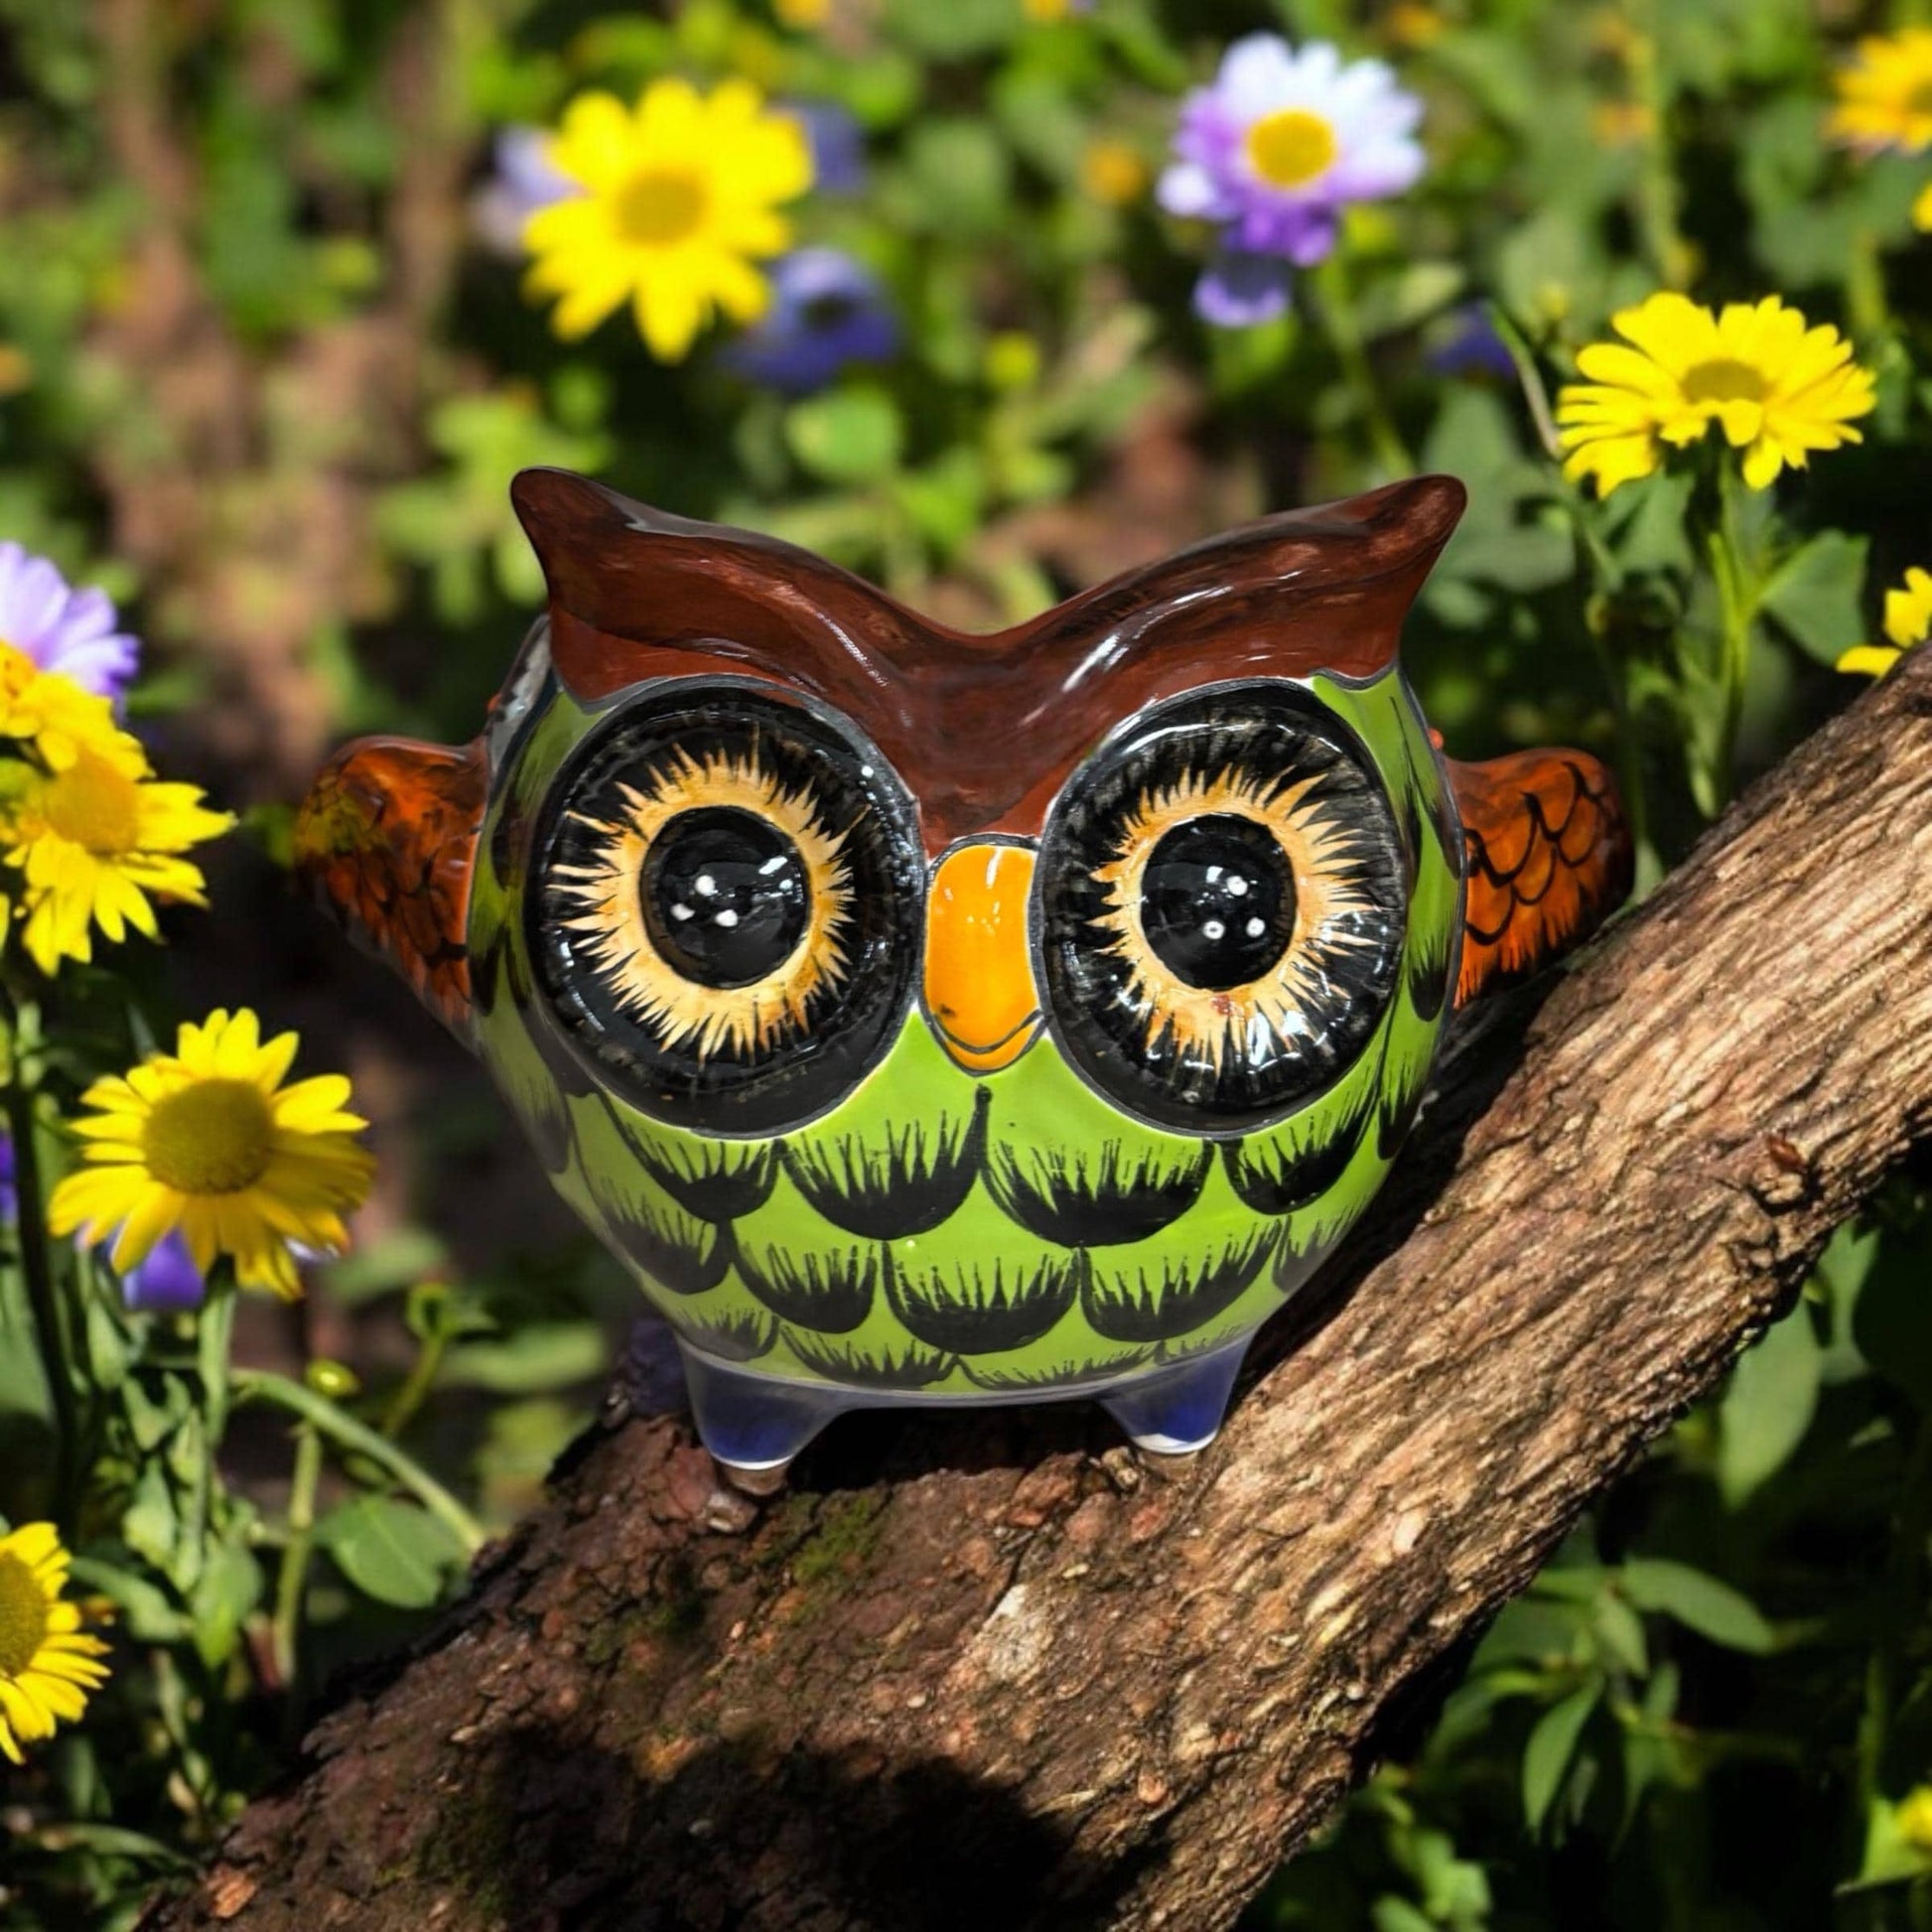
(388, 835)
(1549, 860)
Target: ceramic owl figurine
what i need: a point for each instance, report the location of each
(933, 1018)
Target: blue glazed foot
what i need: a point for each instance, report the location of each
(752, 1425)
(1179, 1409)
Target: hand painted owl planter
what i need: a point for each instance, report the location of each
(932, 1018)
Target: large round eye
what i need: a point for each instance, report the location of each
(727, 906)
(1221, 908)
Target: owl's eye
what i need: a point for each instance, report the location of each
(1222, 905)
(727, 906)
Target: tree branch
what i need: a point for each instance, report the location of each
(992, 1670)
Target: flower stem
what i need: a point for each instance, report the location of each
(359, 1440)
(1335, 311)
(416, 1385)
(291, 1580)
(37, 1268)
(214, 1341)
(1737, 611)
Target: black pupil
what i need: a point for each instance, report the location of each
(726, 896)
(1218, 900)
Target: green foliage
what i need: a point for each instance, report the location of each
(266, 367)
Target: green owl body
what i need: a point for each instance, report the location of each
(937, 1234)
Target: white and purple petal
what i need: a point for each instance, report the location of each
(1213, 177)
(70, 631)
(1237, 291)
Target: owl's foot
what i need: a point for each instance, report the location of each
(753, 1426)
(1178, 1410)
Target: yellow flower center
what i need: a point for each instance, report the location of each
(22, 1618)
(214, 1138)
(660, 205)
(1724, 379)
(94, 805)
(1291, 148)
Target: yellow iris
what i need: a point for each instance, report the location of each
(1908, 622)
(208, 1140)
(94, 842)
(680, 198)
(49, 1667)
(1777, 388)
(1884, 97)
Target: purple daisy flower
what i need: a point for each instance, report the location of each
(62, 629)
(1273, 151)
(837, 141)
(167, 1282)
(1473, 347)
(827, 310)
(526, 180)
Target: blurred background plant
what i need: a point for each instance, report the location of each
(988, 300)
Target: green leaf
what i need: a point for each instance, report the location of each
(1619, 1634)
(552, 1355)
(149, 1525)
(144, 1609)
(388, 1263)
(1697, 1602)
(1552, 1746)
(391, 1549)
(229, 1587)
(1892, 1321)
(1390, 1913)
(849, 437)
(1414, 292)
(1815, 595)
(1767, 1407)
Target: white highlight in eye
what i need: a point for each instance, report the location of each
(682, 912)
(1214, 873)
(1256, 928)
(1238, 886)
(1212, 930)
(727, 919)
(707, 885)
(777, 863)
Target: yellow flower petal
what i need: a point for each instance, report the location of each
(47, 1670)
(1774, 387)
(209, 1142)
(680, 198)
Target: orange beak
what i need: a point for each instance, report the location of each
(979, 971)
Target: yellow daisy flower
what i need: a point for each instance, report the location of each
(48, 714)
(208, 1140)
(1884, 97)
(1908, 622)
(1777, 388)
(679, 199)
(93, 841)
(49, 1667)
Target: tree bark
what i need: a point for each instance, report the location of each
(994, 1671)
